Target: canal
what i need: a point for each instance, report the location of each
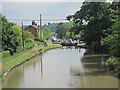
(62, 68)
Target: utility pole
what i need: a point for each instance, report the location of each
(40, 26)
(22, 37)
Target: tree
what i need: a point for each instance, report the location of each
(27, 35)
(113, 37)
(63, 28)
(11, 36)
(93, 18)
(51, 26)
(46, 33)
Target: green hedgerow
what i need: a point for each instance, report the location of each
(5, 53)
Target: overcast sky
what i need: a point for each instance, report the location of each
(51, 10)
(31, 10)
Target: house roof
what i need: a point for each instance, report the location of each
(33, 26)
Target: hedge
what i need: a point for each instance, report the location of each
(5, 53)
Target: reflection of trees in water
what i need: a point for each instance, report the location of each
(93, 73)
(14, 78)
(91, 52)
(76, 71)
(75, 80)
(93, 65)
(17, 75)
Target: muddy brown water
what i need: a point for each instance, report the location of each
(62, 68)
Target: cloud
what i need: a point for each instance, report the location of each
(56, 0)
(30, 11)
(42, 0)
(0, 7)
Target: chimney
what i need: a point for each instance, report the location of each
(33, 22)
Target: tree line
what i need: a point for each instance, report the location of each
(98, 25)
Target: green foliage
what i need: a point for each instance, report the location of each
(29, 43)
(112, 39)
(99, 26)
(69, 17)
(46, 35)
(76, 37)
(28, 40)
(113, 64)
(11, 36)
(63, 29)
(51, 26)
(92, 19)
(5, 53)
(113, 42)
(40, 50)
(45, 43)
(28, 35)
(68, 34)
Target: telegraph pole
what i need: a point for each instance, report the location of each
(40, 26)
(22, 37)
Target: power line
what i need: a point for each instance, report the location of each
(36, 19)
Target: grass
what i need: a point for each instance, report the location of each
(10, 58)
(15, 61)
(11, 61)
(51, 46)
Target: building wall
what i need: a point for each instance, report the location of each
(32, 30)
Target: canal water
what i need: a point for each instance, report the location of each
(62, 68)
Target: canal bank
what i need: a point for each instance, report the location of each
(27, 55)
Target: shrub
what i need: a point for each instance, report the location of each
(113, 64)
(20, 48)
(38, 42)
(29, 43)
(28, 34)
(39, 50)
(45, 43)
(5, 53)
(0, 57)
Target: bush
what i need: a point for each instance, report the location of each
(38, 42)
(28, 34)
(113, 64)
(5, 53)
(19, 49)
(41, 40)
(0, 57)
(29, 43)
(45, 43)
(39, 50)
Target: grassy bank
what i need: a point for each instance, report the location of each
(12, 61)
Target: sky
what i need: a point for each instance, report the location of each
(42, 0)
(53, 12)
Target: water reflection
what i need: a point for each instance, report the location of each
(62, 68)
(14, 79)
(95, 74)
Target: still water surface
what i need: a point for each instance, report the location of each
(62, 68)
